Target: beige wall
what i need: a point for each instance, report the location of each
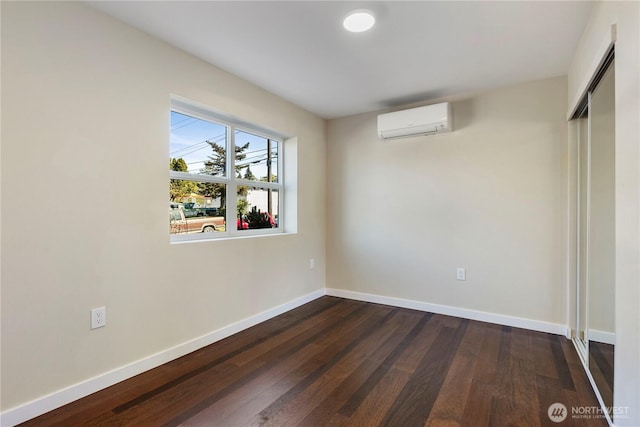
(85, 113)
(490, 197)
(626, 16)
(85, 129)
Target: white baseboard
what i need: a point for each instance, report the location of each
(59, 398)
(602, 336)
(517, 322)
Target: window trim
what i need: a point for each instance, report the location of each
(232, 125)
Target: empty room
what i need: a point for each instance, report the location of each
(431, 216)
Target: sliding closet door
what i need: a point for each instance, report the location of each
(583, 227)
(595, 234)
(601, 276)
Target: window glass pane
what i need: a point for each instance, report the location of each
(257, 208)
(196, 207)
(197, 146)
(200, 151)
(256, 157)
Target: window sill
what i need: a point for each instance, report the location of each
(198, 239)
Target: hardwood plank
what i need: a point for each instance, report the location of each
(336, 362)
(515, 402)
(149, 404)
(601, 367)
(356, 398)
(257, 396)
(356, 321)
(379, 400)
(549, 386)
(543, 356)
(562, 367)
(550, 391)
(448, 409)
(275, 337)
(104, 401)
(414, 403)
(487, 367)
(477, 410)
(582, 395)
(370, 368)
(603, 355)
(285, 407)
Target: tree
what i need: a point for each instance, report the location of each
(274, 178)
(216, 165)
(249, 175)
(243, 206)
(178, 165)
(179, 188)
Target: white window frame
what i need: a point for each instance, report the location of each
(231, 181)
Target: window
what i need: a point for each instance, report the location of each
(214, 194)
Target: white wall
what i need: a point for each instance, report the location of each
(85, 141)
(597, 36)
(490, 196)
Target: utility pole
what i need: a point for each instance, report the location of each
(269, 207)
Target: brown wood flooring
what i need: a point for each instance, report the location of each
(337, 362)
(601, 367)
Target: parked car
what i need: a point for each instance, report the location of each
(191, 211)
(208, 211)
(180, 223)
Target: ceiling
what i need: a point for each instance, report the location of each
(418, 50)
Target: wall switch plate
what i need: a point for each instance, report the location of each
(461, 274)
(312, 263)
(98, 317)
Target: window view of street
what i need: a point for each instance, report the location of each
(202, 175)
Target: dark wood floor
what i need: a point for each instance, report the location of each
(601, 367)
(340, 362)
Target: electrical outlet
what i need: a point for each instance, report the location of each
(312, 263)
(98, 317)
(461, 274)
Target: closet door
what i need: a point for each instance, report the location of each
(595, 233)
(582, 232)
(601, 270)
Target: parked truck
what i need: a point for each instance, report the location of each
(180, 224)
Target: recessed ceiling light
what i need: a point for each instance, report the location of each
(359, 20)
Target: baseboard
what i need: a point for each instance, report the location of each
(517, 322)
(59, 398)
(602, 336)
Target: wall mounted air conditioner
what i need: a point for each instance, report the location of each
(415, 121)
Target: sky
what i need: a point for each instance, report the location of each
(189, 136)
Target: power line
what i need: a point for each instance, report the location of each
(215, 139)
(251, 160)
(194, 147)
(182, 121)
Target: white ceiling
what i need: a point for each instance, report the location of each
(418, 50)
